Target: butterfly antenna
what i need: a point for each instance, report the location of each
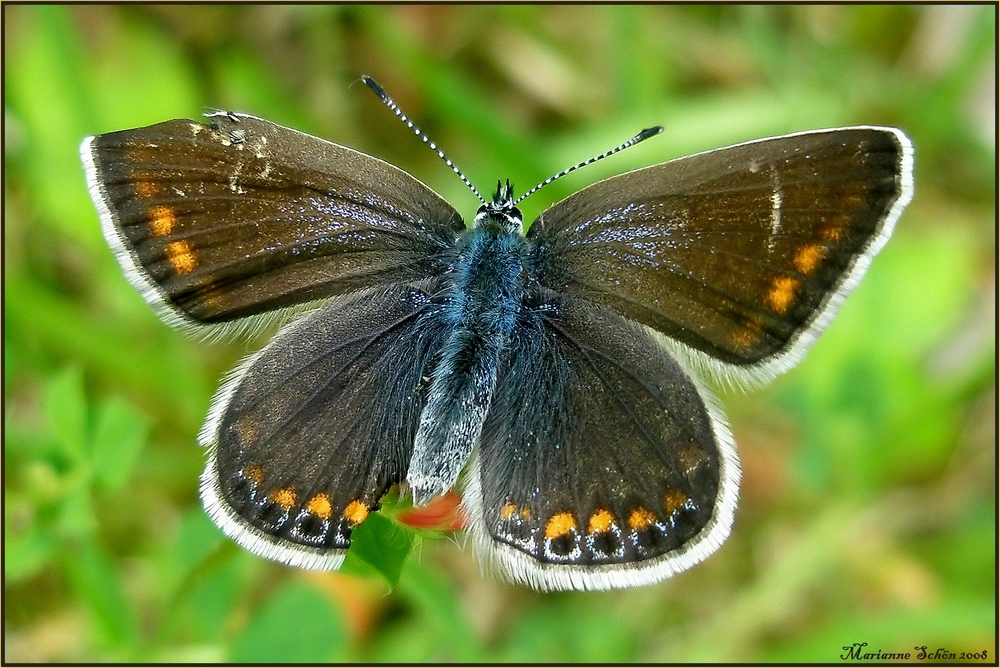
(388, 101)
(642, 136)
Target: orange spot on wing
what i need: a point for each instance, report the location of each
(508, 511)
(181, 256)
(560, 524)
(640, 518)
(749, 334)
(673, 500)
(284, 497)
(254, 473)
(600, 522)
(356, 512)
(320, 506)
(808, 257)
(782, 293)
(162, 221)
(145, 189)
(835, 230)
(247, 429)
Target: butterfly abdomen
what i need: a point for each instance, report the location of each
(480, 304)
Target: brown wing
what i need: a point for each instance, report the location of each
(218, 222)
(602, 463)
(742, 254)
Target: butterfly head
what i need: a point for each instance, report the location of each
(501, 212)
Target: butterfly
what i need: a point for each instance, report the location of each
(561, 369)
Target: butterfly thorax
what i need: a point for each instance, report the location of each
(484, 293)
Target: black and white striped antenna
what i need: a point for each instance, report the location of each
(642, 136)
(371, 83)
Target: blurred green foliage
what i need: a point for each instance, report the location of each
(869, 500)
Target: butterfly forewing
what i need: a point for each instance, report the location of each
(240, 217)
(310, 433)
(742, 254)
(601, 463)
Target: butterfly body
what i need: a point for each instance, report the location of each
(485, 294)
(553, 366)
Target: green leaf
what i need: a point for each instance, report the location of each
(47, 89)
(94, 578)
(66, 410)
(198, 539)
(297, 625)
(213, 596)
(380, 544)
(119, 436)
(25, 555)
(434, 598)
(201, 579)
(75, 516)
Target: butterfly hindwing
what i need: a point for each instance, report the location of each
(742, 254)
(310, 433)
(601, 464)
(241, 217)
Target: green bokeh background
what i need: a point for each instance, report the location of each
(868, 509)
